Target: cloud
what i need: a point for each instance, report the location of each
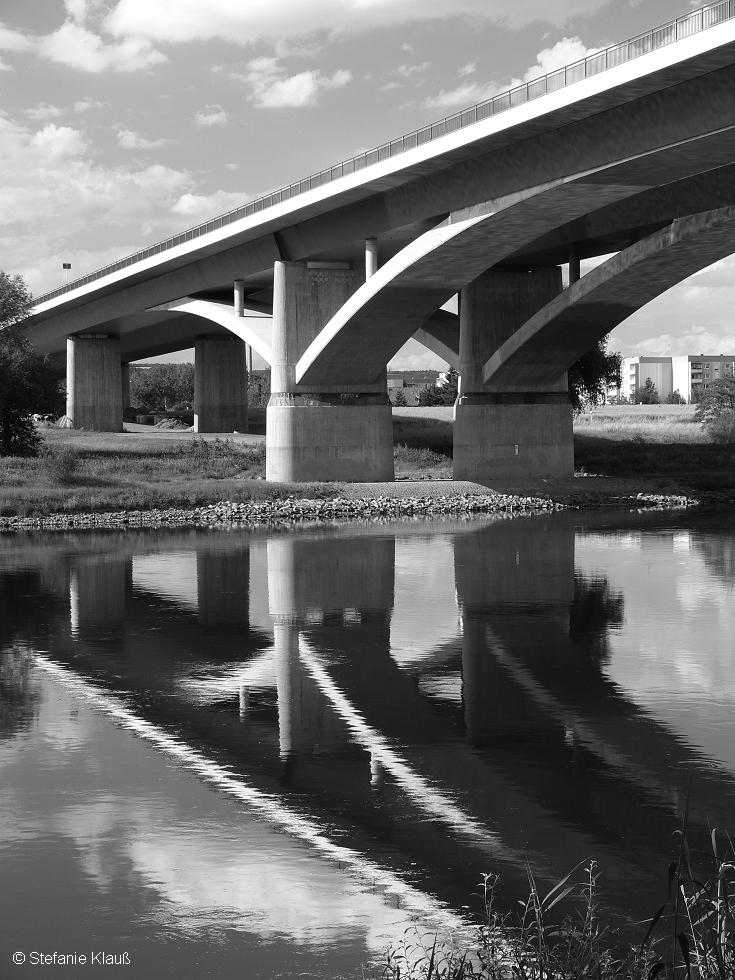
(200, 207)
(4, 66)
(84, 105)
(76, 47)
(11, 40)
(58, 203)
(697, 340)
(564, 52)
(43, 110)
(56, 142)
(243, 23)
(211, 115)
(129, 140)
(272, 88)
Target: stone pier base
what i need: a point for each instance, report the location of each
(509, 437)
(318, 437)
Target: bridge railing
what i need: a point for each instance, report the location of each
(658, 37)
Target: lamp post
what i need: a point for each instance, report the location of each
(67, 267)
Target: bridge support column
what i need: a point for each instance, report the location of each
(507, 435)
(93, 382)
(220, 385)
(342, 433)
(125, 384)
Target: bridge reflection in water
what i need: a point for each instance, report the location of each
(439, 697)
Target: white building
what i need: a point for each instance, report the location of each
(693, 373)
(689, 374)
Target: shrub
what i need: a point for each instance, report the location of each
(61, 463)
(722, 428)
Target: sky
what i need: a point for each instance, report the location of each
(124, 121)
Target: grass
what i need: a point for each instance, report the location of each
(562, 936)
(110, 471)
(661, 441)
(661, 448)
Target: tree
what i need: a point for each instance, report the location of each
(259, 388)
(27, 382)
(675, 398)
(716, 409)
(591, 376)
(647, 394)
(160, 387)
(441, 394)
(399, 398)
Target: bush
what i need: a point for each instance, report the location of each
(722, 429)
(715, 403)
(61, 463)
(442, 394)
(27, 384)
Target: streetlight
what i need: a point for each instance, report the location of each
(67, 266)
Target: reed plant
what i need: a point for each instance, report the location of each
(561, 935)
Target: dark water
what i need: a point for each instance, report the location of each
(251, 754)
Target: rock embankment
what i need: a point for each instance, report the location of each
(292, 509)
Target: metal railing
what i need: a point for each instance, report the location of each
(658, 37)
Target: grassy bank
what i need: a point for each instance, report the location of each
(660, 450)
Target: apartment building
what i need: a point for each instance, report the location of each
(689, 374)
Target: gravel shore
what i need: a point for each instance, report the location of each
(358, 502)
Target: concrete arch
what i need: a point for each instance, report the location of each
(558, 334)
(396, 302)
(225, 317)
(440, 335)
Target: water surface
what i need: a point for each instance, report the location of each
(264, 754)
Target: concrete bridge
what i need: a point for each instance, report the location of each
(631, 151)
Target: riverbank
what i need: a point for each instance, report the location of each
(148, 477)
(359, 502)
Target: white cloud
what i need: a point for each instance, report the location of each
(192, 20)
(129, 140)
(272, 88)
(469, 69)
(76, 47)
(58, 204)
(200, 207)
(43, 110)
(697, 340)
(564, 52)
(56, 142)
(84, 105)
(211, 115)
(406, 71)
(11, 40)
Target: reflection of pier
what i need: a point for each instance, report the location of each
(540, 755)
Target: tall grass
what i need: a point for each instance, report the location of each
(561, 935)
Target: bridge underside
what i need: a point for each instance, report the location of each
(651, 179)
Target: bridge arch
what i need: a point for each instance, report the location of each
(544, 347)
(383, 313)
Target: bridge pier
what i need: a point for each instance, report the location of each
(509, 434)
(220, 385)
(342, 433)
(94, 382)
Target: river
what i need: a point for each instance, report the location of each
(267, 753)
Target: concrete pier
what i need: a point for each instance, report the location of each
(220, 385)
(343, 433)
(93, 382)
(511, 433)
(125, 384)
